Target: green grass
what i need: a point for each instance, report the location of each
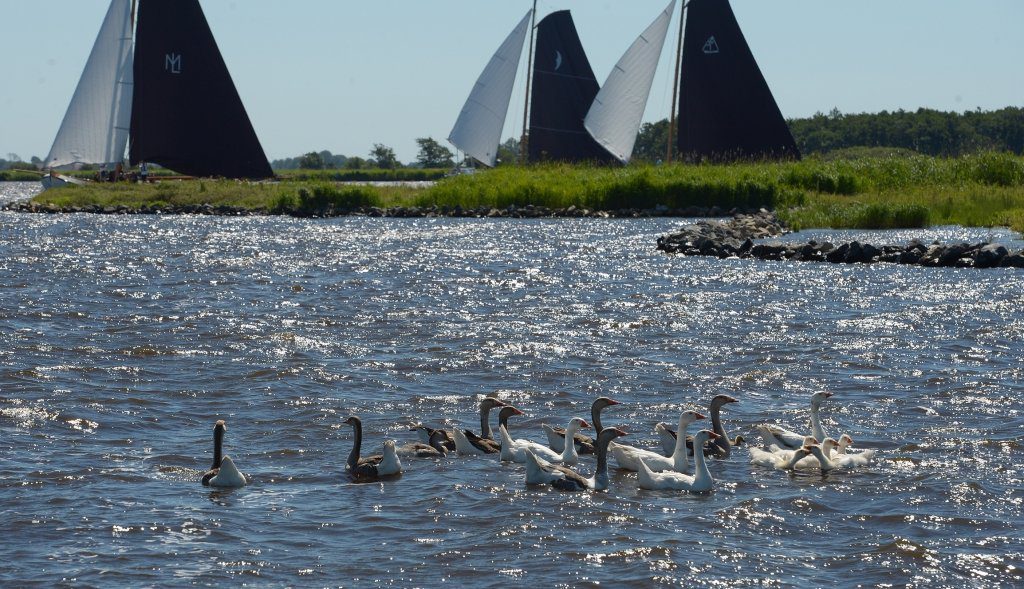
(895, 190)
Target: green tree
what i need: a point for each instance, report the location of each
(384, 156)
(433, 155)
(508, 152)
(355, 163)
(652, 143)
(311, 161)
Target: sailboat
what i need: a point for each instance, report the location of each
(726, 110)
(172, 97)
(561, 87)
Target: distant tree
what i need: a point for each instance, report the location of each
(384, 156)
(508, 152)
(311, 161)
(652, 143)
(433, 155)
(355, 163)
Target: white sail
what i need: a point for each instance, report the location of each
(477, 132)
(614, 118)
(95, 127)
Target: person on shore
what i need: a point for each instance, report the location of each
(143, 172)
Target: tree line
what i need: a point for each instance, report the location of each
(924, 131)
(431, 155)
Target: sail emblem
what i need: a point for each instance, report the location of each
(711, 46)
(172, 63)
(558, 60)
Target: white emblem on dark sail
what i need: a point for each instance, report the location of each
(172, 63)
(558, 60)
(711, 46)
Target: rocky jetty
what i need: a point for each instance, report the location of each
(511, 212)
(735, 239)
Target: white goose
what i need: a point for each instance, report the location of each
(841, 461)
(784, 438)
(563, 478)
(783, 459)
(628, 457)
(223, 473)
(700, 482)
(515, 450)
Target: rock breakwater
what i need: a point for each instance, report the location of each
(734, 238)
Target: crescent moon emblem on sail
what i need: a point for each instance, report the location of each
(558, 60)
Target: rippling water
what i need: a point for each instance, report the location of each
(122, 339)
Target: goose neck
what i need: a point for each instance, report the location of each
(485, 423)
(218, 447)
(353, 457)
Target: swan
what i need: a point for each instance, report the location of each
(464, 438)
(784, 438)
(466, 442)
(426, 433)
(585, 444)
(515, 450)
(563, 478)
(629, 457)
(375, 466)
(223, 473)
(699, 482)
(841, 461)
(435, 448)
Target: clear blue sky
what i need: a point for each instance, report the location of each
(344, 74)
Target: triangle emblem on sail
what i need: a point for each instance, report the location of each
(711, 46)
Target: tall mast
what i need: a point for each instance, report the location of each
(524, 141)
(675, 85)
(133, 14)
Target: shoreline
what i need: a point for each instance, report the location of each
(398, 212)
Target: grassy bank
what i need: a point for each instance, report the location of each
(871, 192)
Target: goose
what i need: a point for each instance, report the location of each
(841, 461)
(668, 436)
(515, 450)
(628, 457)
(426, 433)
(782, 458)
(784, 438)
(463, 438)
(584, 444)
(563, 478)
(375, 466)
(466, 442)
(435, 448)
(223, 473)
(845, 441)
(699, 482)
(719, 446)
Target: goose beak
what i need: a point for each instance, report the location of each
(713, 436)
(517, 412)
(731, 400)
(584, 424)
(700, 415)
(614, 402)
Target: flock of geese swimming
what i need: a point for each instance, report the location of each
(667, 468)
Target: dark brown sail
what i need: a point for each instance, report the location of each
(564, 87)
(186, 114)
(726, 110)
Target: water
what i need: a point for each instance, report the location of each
(122, 339)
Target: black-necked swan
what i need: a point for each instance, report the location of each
(462, 437)
(628, 457)
(435, 448)
(223, 473)
(375, 466)
(699, 482)
(584, 443)
(784, 438)
(469, 443)
(841, 461)
(563, 478)
(426, 433)
(721, 445)
(515, 450)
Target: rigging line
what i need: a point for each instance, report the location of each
(675, 84)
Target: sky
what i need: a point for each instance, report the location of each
(342, 75)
